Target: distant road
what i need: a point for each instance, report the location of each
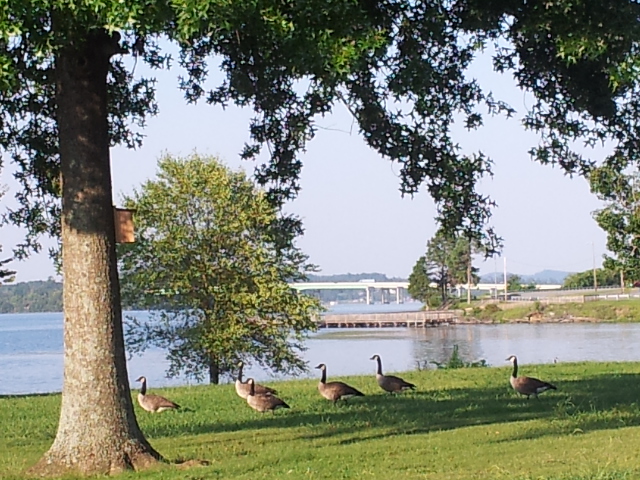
(390, 285)
(573, 292)
(542, 290)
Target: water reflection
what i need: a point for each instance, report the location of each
(404, 349)
(31, 349)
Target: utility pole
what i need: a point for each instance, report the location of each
(495, 277)
(505, 279)
(469, 275)
(595, 276)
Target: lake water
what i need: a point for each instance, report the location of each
(31, 348)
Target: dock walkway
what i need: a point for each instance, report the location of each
(431, 318)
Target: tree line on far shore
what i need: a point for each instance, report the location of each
(448, 261)
(46, 295)
(36, 296)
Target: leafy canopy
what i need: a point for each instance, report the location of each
(619, 218)
(208, 255)
(400, 67)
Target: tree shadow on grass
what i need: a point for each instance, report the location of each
(588, 404)
(419, 411)
(598, 403)
(9, 396)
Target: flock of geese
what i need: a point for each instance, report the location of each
(264, 399)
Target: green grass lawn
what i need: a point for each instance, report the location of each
(459, 424)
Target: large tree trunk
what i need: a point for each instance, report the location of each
(214, 371)
(98, 432)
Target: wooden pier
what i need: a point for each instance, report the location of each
(431, 318)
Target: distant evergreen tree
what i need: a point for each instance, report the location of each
(420, 284)
(446, 263)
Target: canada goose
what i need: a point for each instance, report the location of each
(527, 385)
(153, 403)
(242, 388)
(390, 383)
(335, 391)
(263, 402)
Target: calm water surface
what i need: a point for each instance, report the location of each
(31, 348)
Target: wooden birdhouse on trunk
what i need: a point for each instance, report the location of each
(123, 219)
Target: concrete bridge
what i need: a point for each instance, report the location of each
(394, 287)
(399, 288)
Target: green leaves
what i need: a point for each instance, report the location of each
(620, 217)
(402, 69)
(214, 256)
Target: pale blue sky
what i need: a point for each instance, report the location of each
(354, 216)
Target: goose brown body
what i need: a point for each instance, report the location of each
(263, 402)
(153, 403)
(390, 383)
(335, 391)
(527, 385)
(242, 388)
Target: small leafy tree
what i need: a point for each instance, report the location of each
(209, 250)
(514, 283)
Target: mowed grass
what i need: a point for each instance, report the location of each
(604, 311)
(459, 424)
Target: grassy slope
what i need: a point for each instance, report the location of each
(460, 424)
(602, 310)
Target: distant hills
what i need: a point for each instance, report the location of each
(543, 277)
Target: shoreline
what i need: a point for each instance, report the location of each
(542, 321)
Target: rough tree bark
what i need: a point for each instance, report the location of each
(98, 432)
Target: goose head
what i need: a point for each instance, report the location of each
(322, 367)
(141, 379)
(375, 357)
(512, 359)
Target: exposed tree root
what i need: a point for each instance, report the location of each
(56, 463)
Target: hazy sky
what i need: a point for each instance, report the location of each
(355, 219)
